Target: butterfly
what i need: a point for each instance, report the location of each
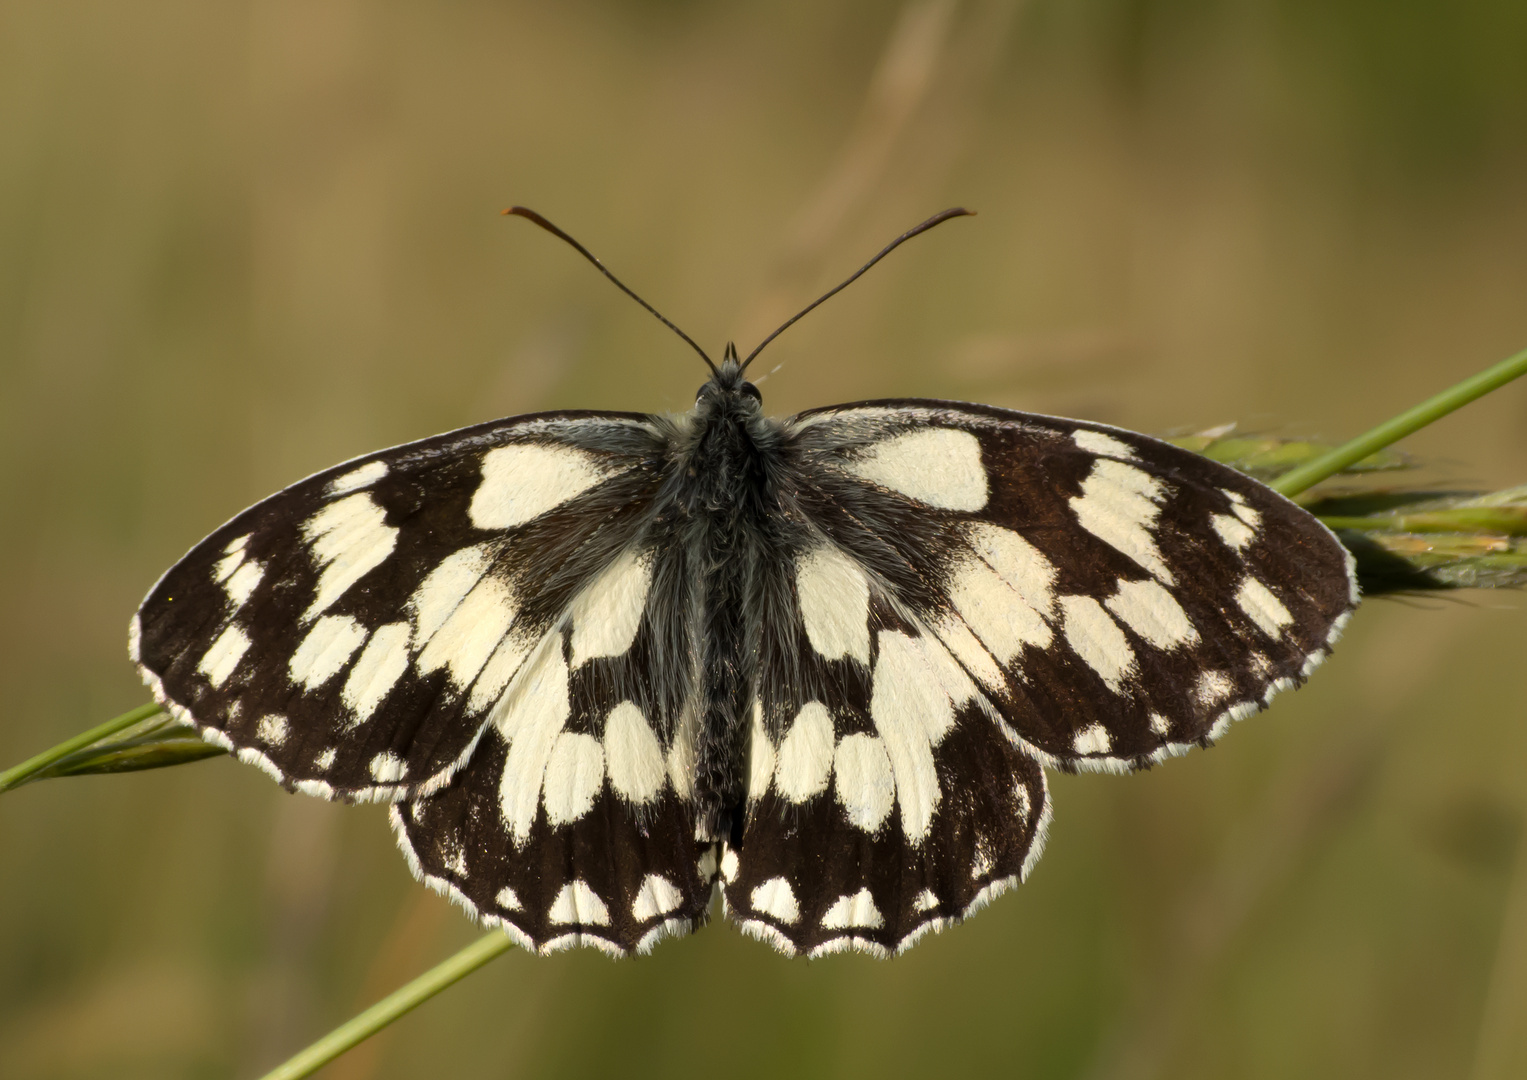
(604, 665)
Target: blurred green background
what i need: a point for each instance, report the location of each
(239, 243)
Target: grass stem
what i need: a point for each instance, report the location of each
(19, 774)
(1411, 420)
(404, 999)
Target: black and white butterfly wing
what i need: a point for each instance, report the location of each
(352, 633)
(990, 592)
(572, 824)
(471, 625)
(891, 802)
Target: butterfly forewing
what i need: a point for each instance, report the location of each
(1119, 598)
(353, 633)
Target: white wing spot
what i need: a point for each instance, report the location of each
(378, 669)
(1233, 531)
(356, 479)
(272, 729)
(760, 755)
(574, 775)
(937, 466)
(524, 481)
(804, 765)
(326, 649)
(776, 899)
(1241, 509)
(237, 543)
(1212, 688)
(1024, 800)
(1093, 739)
(388, 767)
(912, 714)
(1017, 562)
(578, 905)
(865, 784)
(471, 633)
(835, 603)
(633, 755)
(982, 862)
(681, 754)
(1097, 639)
(223, 569)
(444, 587)
(1262, 607)
(729, 865)
(858, 910)
(1095, 442)
(996, 613)
(608, 612)
(969, 653)
(508, 899)
(656, 897)
(1150, 611)
(926, 900)
(1160, 724)
(530, 717)
(348, 538)
(218, 662)
(499, 669)
(241, 584)
(325, 761)
(1119, 505)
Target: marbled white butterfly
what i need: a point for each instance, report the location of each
(603, 664)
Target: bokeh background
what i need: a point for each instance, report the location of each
(240, 242)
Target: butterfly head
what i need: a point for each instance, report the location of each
(728, 390)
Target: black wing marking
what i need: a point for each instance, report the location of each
(572, 822)
(1119, 599)
(352, 633)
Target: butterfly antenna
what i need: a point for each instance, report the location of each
(531, 215)
(936, 219)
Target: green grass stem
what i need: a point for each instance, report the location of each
(404, 999)
(1391, 431)
(19, 774)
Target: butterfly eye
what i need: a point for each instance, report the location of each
(752, 391)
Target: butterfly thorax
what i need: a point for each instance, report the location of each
(726, 465)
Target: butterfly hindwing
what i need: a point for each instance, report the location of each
(571, 824)
(352, 633)
(885, 801)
